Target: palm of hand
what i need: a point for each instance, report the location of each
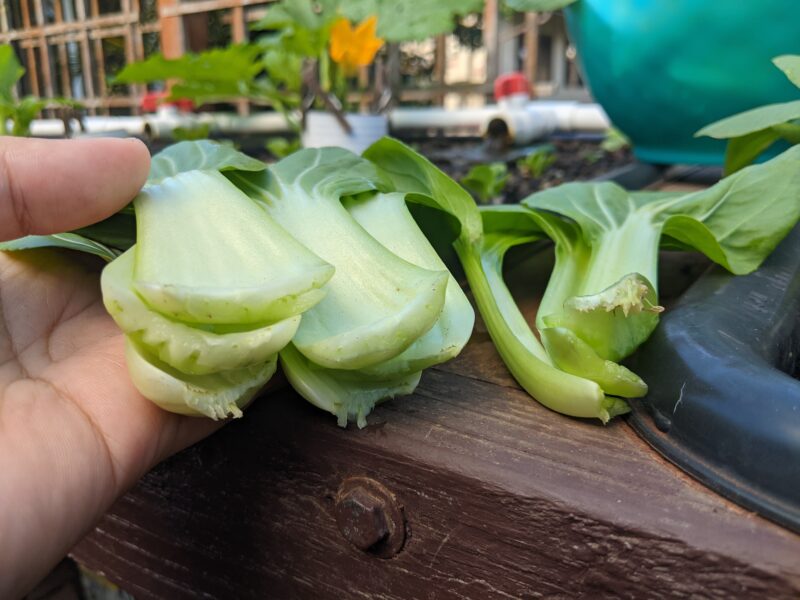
(70, 420)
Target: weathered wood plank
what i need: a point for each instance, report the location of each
(503, 499)
(540, 508)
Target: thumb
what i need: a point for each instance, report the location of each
(51, 186)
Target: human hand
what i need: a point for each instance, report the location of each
(74, 432)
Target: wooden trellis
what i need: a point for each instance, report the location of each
(71, 48)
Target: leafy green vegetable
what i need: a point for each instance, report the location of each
(216, 395)
(486, 181)
(790, 65)
(213, 288)
(184, 255)
(752, 132)
(71, 241)
(601, 300)
(535, 163)
(376, 304)
(202, 155)
(346, 394)
(481, 256)
(602, 296)
(387, 218)
(190, 349)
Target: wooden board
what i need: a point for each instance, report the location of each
(501, 498)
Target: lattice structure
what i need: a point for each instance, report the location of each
(72, 48)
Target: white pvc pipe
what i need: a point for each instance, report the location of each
(440, 118)
(521, 122)
(164, 122)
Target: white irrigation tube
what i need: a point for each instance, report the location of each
(520, 122)
(440, 118)
(163, 123)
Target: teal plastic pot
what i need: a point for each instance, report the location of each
(662, 69)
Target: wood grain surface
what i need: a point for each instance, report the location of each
(502, 499)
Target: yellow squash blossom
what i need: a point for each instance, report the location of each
(354, 47)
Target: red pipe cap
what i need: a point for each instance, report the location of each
(511, 84)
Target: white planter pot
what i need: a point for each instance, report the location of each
(322, 129)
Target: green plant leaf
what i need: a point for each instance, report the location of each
(753, 120)
(486, 181)
(537, 5)
(602, 287)
(300, 13)
(191, 350)
(409, 20)
(70, 241)
(118, 231)
(10, 72)
(744, 149)
(424, 183)
(615, 140)
(481, 257)
(214, 75)
(217, 395)
(192, 134)
(746, 214)
(789, 131)
(232, 64)
(198, 156)
(790, 65)
(535, 163)
(281, 147)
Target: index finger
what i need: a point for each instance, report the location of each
(51, 186)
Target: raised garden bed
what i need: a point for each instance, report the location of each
(496, 496)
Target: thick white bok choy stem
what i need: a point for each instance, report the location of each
(212, 290)
(387, 218)
(392, 309)
(377, 304)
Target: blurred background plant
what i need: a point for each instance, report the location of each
(753, 132)
(308, 49)
(486, 181)
(614, 140)
(17, 114)
(537, 162)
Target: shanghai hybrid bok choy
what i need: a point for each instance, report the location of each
(601, 301)
(320, 262)
(233, 265)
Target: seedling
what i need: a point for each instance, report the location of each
(537, 162)
(486, 181)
